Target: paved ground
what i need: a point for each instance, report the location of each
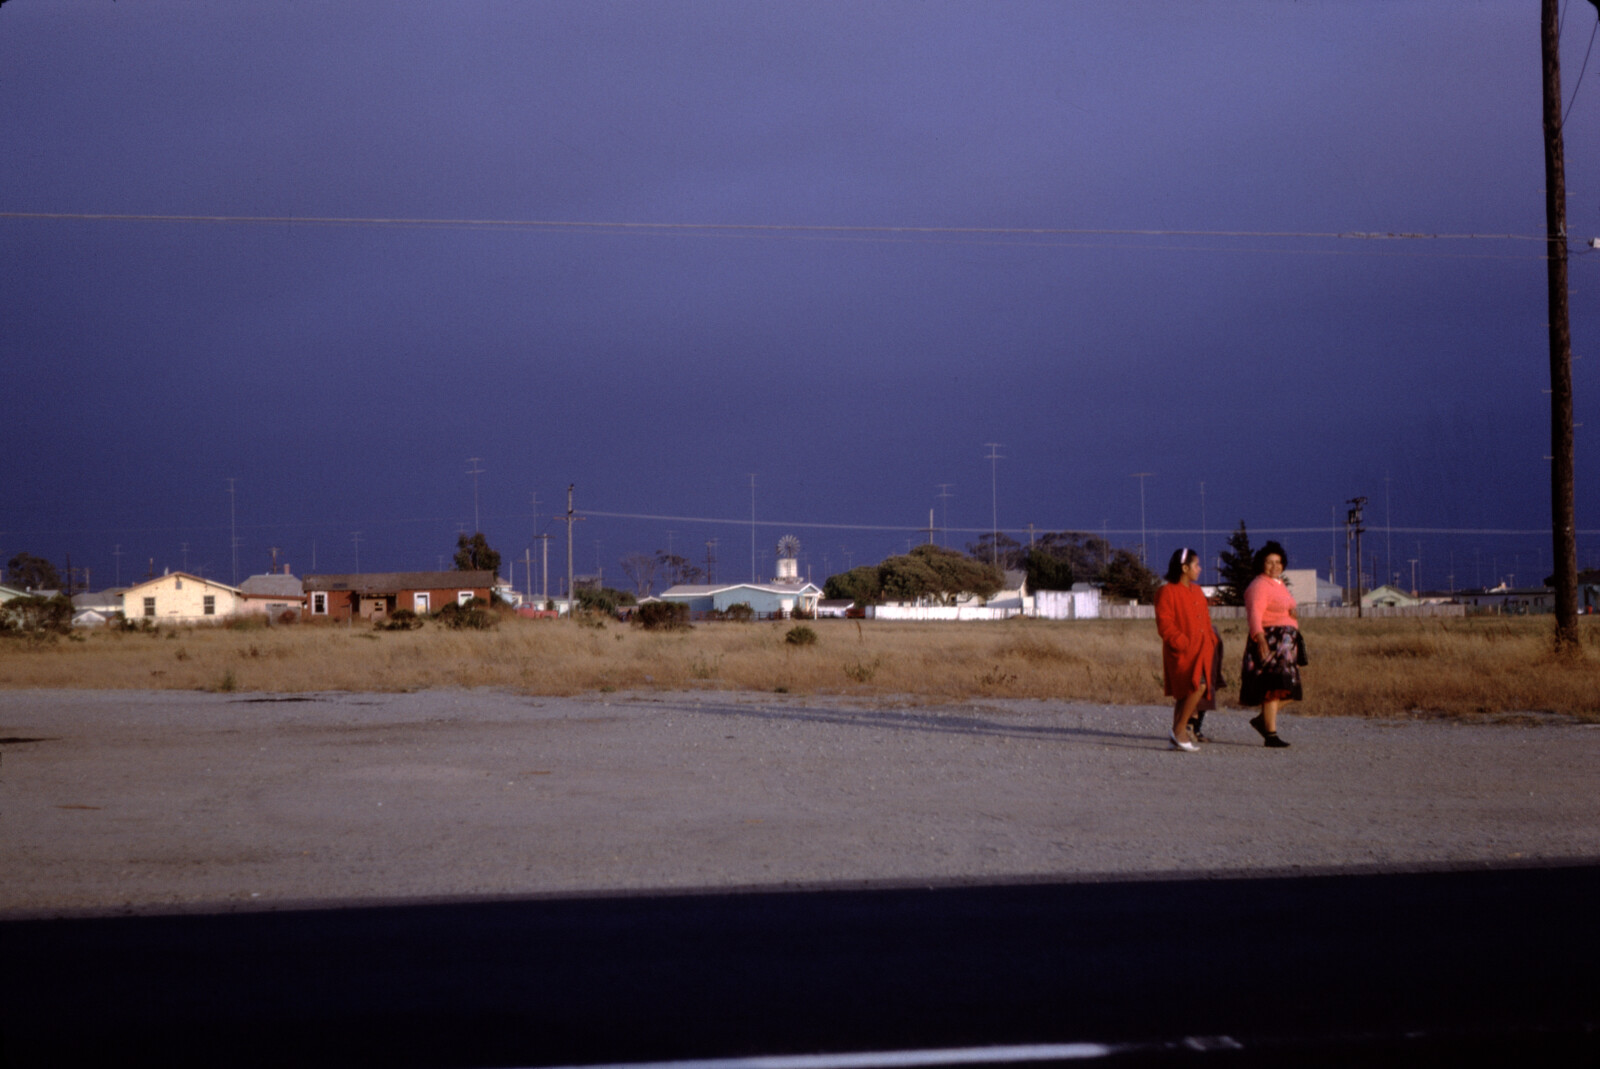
(159, 802)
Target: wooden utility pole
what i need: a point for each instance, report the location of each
(1564, 536)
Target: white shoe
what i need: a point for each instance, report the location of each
(1181, 744)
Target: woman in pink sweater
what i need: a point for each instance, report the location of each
(1270, 674)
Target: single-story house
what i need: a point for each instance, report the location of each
(1511, 601)
(180, 598)
(1309, 588)
(1082, 602)
(1388, 597)
(273, 594)
(9, 592)
(373, 595)
(764, 599)
(96, 609)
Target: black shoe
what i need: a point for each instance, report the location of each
(1260, 724)
(1275, 743)
(1194, 728)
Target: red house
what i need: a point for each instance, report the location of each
(374, 595)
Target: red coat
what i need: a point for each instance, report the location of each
(1188, 641)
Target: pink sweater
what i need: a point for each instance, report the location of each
(1268, 603)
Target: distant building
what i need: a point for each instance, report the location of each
(1388, 597)
(273, 594)
(1309, 588)
(180, 598)
(96, 609)
(1082, 602)
(1504, 599)
(374, 595)
(764, 599)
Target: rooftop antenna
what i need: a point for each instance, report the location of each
(944, 501)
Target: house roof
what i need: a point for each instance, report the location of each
(701, 590)
(390, 582)
(273, 585)
(180, 575)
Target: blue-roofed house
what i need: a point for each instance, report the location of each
(764, 599)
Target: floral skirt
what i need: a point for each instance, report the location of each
(1278, 677)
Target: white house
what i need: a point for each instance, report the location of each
(96, 609)
(1309, 588)
(1082, 602)
(180, 598)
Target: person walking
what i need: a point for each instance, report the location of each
(1188, 646)
(1273, 653)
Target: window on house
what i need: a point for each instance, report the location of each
(210, 605)
(319, 604)
(419, 602)
(149, 606)
(179, 582)
(463, 596)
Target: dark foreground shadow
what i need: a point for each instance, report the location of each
(1408, 969)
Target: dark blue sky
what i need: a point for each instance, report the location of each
(651, 249)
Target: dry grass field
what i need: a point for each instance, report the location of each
(1464, 667)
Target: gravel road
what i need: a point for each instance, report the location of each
(154, 802)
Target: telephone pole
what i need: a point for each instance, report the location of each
(233, 531)
(994, 500)
(1354, 530)
(1563, 521)
(572, 595)
(475, 471)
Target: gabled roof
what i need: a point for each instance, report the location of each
(390, 582)
(701, 590)
(273, 585)
(180, 575)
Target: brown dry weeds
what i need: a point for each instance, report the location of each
(1471, 667)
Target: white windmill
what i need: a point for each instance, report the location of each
(788, 562)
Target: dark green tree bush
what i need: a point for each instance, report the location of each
(663, 616)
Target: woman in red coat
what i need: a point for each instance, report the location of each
(1188, 645)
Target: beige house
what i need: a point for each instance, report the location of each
(180, 598)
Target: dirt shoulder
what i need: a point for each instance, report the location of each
(121, 801)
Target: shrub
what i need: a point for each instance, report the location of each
(399, 620)
(467, 616)
(37, 617)
(663, 616)
(800, 635)
(739, 612)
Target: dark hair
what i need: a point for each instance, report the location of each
(1266, 551)
(1180, 557)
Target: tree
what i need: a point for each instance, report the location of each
(1126, 576)
(1000, 549)
(27, 572)
(676, 569)
(641, 568)
(860, 584)
(1236, 566)
(1046, 571)
(1087, 554)
(943, 574)
(474, 555)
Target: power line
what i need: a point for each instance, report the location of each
(622, 226)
